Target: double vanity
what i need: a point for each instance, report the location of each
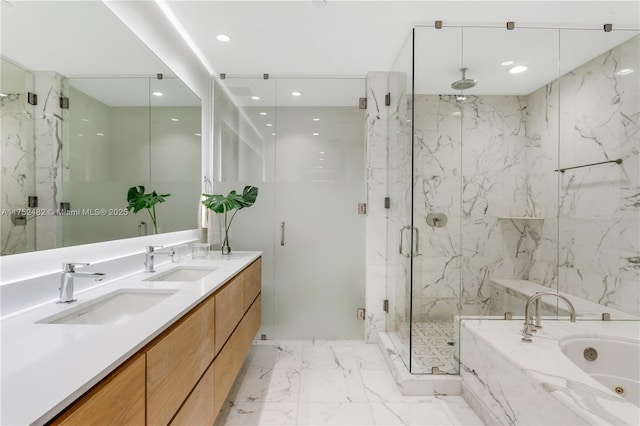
(151, 348)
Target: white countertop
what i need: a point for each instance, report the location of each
(45, 367)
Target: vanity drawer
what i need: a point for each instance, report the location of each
(252, 283)
(229, 308)
(198, 409)
(116, 400)
(176, 362)
(230, 359)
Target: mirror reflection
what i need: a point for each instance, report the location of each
(102, 123)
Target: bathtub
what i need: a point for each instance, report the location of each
(549, 381)
(614, 362)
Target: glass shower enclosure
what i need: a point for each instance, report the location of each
(481, 122)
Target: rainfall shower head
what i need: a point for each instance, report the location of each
(464, 83)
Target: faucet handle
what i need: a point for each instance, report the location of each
(151, 248)
(71, 266)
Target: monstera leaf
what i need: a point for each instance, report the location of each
(138, 200)
(233, 201)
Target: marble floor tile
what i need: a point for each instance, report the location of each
(348, 413)
(328, 357)
(459, 411)
(380, 386)
(267, 385)
(409, 413)
(255, 413)
(369, 357)
(324, 382)
(337, 385)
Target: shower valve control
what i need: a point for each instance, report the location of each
(437, 220)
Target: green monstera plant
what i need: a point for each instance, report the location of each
(233, 202)
(138, 200)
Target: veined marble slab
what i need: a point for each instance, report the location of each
(511, 382)
(521, 290)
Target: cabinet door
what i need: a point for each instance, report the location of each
(229, 308)
(230, 359)
(198, 409)
(116, 400)
(176, 362)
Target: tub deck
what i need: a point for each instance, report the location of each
(510, 382)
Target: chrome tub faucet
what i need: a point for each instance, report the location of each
(66, 280)
(151, 252)
(529, 326)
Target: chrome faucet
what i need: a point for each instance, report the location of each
(66, 280)
(150, 253)
(529, 326)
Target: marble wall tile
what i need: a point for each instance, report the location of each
(49, 157)
(18, 179)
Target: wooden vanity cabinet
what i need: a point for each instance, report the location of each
(234, 299)
(199, 408)
(229, 361)
(184, 375)
(176, 361)
(117, 400)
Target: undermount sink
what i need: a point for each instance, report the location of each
(183, 273)
(111, 309)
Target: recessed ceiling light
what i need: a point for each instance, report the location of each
(100, 134)
(321, 152)
(263, 113)
(296, 93)
(506, 63)
(223, 38)
(321, 159)
(273, 134)
(80, 135)
(157, 94)
(316, 119)
(316, 134)
(517, 69)
(175, 119)
(269, 125)
(255, 98)
(84, 119)
(319, 167)
(198, 134)
(625, 71)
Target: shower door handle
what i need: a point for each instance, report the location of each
(281, 233)
(417, 252)
(401, 248)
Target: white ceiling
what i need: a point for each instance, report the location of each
(313, 38)
(353, 37)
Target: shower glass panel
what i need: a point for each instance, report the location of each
(244, 154)
(437, 207)
(306, 155)
(598, 207)
(398, 163)
(509, 153)
(319, 170)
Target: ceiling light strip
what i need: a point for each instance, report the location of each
(164, 7)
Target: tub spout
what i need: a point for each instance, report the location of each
(528, 321)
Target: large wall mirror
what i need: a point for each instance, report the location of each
(109, 115)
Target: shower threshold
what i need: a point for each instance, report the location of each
(417, 384)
